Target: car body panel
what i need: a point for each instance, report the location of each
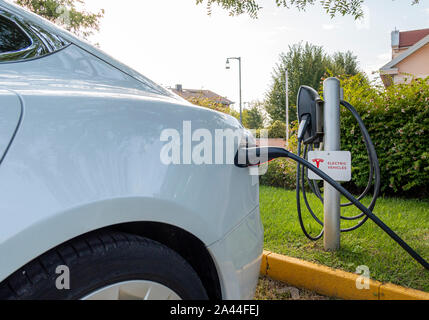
(10, 118)
(238, 257)
(87, 156)
(88, 140)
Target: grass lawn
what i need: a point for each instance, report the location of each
(368, 246)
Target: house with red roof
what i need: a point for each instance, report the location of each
(410, 57)
(199, 93)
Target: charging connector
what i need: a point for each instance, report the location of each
(303, 126)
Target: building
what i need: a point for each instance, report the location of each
(198, 94)
(410, 57)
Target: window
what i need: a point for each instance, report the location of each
(22, 39)
(12, 38)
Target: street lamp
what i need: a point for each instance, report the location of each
(239, 81)
(227, 64)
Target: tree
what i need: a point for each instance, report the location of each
(344, 63)
(253, 118)
(277, 130)
(209, 103)
(66, 14)
(251, 7)
(307, 65)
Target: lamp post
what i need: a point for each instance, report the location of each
(239, 81)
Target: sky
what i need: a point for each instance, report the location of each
(176, 42)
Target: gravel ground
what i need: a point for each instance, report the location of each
(269, 289)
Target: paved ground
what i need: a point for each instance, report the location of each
(269, 289)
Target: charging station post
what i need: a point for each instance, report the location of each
(332, 209)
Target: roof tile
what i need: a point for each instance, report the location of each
(409, 38)
(195, 93)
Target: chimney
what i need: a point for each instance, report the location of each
(395, 39)
(179, 88)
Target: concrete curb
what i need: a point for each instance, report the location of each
(331, 282)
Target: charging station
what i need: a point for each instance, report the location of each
(319, 157)
(320, 133)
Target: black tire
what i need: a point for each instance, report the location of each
(99, 260)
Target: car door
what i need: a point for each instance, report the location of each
(19, 42)
(10, 118)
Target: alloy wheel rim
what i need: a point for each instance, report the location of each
(134, 290)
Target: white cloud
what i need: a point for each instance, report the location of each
(329, 26)
(365, 22)
(285, 28)
(384, 56)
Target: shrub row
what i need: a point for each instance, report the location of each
(397, 119)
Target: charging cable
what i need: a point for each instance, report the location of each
(302, 176)
(252, 156)
(304, 124)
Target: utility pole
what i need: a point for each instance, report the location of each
(241, 103)
(239, 82)
(287, 107)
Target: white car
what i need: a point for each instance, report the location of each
(88, 210)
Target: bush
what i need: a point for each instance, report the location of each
(282, 172)
(397, 119)
(277, 130)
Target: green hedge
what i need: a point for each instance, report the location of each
(281, 173)
(277, 130)
(397, 119)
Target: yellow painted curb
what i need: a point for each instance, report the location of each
(390, 291)
(331, 282)
(264, 263)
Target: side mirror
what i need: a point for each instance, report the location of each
(309, 103)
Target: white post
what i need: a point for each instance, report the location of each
(332, 210)
(287, 108)
(241, 104)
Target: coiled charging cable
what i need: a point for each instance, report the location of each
(302, 176)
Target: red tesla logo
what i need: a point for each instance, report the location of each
(318, 162)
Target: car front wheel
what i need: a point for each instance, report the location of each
(106, 266)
